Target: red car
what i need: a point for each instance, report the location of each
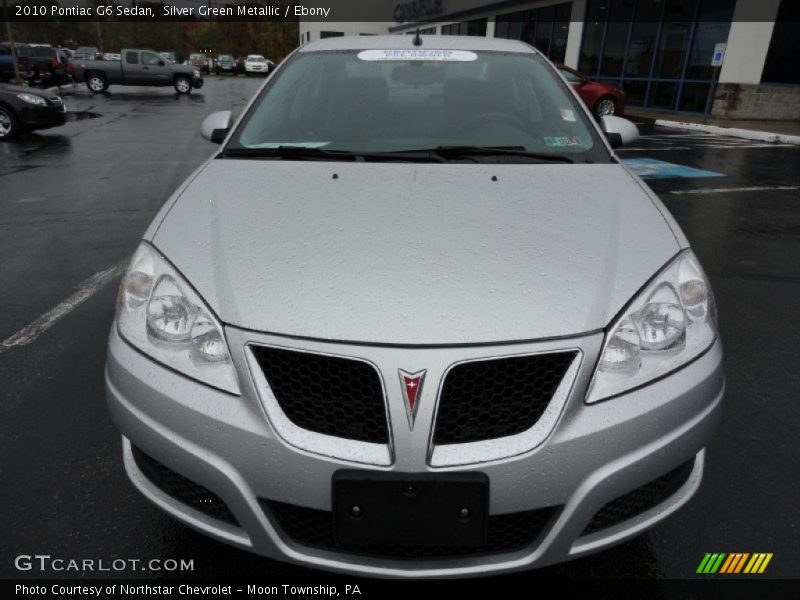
(601, 98)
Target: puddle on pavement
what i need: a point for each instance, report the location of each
(82, 115)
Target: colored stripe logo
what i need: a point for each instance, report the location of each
(734, 563)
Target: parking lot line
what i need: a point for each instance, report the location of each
(86, 290)
(740, 189)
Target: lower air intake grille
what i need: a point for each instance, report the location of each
(182, 489)
(314, 528)
(336, 396)
(489, 399)
(641, 499)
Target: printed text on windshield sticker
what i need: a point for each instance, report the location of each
(562, 141)
(412, 54)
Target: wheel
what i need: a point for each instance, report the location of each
(9, 126)
(183, 85)
(96, 84)
(37, 79)
(605, 106)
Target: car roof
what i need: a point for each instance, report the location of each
(429, 42)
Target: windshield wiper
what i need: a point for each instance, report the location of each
(303, 152)
(456, 151)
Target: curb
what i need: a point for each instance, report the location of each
(748, 134)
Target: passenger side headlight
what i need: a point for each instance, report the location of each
(32, 99)
(160, 314)
(670, 323)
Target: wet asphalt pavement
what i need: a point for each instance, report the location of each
(75, 200)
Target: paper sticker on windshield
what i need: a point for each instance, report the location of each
(563, 141)
(567, 114)
(418, 54)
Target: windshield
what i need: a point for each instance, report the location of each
(255, 58)
(363, 102)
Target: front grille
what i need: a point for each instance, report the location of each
(489, 399)
(641, 499)
(181, 488)
(326, 394)
(314, 528)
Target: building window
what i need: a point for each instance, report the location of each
(476, 27)
(545, 28)
(426, 31)
(659, 50)
(782, 64)
(330, 34)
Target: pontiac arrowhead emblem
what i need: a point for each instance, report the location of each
(411, 385)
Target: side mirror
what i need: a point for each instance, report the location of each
(215, 126)
(619, 131)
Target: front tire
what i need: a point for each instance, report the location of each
(183, 85)
(9, 126)
(96, 84)
(605, 106)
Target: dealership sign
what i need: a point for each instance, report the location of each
(406, 11)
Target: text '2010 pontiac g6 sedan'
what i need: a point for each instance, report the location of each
(414, 319)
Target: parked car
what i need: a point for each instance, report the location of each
(50, 67)
(86, 53)
(255, 64)
(199, 61)
(602, 98)
(416, 319)
(225, 64)
(24, 109)
(138, 67)
(7, 63)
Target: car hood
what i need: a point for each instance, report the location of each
(415, 254)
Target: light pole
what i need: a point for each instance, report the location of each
(17, 78)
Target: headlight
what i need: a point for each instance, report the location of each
(160, 314)
(32, 99)
(671, 322)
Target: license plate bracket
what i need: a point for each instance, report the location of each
(409, 509)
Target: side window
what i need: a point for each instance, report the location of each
(132, 58)
(150, 59)
(569, 76)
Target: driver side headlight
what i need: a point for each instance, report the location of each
(159, 313)
(670, 323)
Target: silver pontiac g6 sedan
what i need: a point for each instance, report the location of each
(414, 319)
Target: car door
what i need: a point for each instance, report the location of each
(154, 69)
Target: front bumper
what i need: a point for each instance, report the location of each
(588, 457)
(42, 117)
